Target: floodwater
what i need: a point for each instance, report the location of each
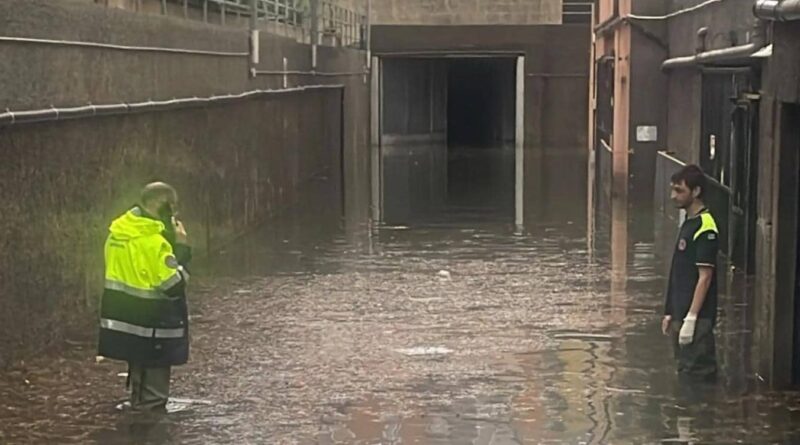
(457, 329)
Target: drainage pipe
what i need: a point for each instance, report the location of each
(777, 10)
(674, 14)
(9, 117)
(28, 40)
(721, 55)
(310, 73)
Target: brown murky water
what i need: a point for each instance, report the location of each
(458, 330)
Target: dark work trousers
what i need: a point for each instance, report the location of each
(698, 359)
(149, 387)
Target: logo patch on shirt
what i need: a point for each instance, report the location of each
(682, 245)
(171, 262)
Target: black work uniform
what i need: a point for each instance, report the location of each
(697, 246)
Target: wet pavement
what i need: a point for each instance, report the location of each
(456, 330)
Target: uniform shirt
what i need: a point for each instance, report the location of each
(697, 246)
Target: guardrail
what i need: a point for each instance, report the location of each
(325, 22)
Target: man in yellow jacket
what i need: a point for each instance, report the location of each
(143, 314)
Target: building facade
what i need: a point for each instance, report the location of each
(713, 83)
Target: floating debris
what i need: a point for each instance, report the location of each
(586, 337)
(423, 350)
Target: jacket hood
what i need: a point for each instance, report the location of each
(133, 225)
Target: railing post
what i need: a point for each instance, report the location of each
(255, 47)
(368, 33)
(314, 22)
(314, 31)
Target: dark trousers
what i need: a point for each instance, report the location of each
(149, 386)
(698, 359)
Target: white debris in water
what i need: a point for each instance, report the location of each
(124, 406)
(423, 350)
(443, 274)
(426, 300)
(174, 405)
(585, 337)
(191, 401)
(625, 391)
(123, 374)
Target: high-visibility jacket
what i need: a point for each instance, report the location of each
(143, 312)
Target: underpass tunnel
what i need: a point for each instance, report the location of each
(447, 139)
(480, 134)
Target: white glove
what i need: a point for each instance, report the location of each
(687, 330)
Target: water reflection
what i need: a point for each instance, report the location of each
(430, 183)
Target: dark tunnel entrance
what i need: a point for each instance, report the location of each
(448, 138)
(480, 135)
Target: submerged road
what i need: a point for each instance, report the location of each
(457, 331)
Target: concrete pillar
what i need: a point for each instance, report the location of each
(592, 156)
(520, 144)
(619, 187)
(375, 142)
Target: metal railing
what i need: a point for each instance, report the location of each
(341, 26)
(325, 22)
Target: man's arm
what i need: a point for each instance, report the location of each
(667, 309)
(668, 299)
(706, 248)
(701, 290)
(183, 252)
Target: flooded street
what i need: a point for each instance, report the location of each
(458, 330)
(432, 222)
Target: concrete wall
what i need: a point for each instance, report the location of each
(674, 98)
(556, 96)
(466, 12)
(415, 97)
(684, 100)
(777, 225)
(729, 23)
(234, 165)
(648, 82)
(414, 139)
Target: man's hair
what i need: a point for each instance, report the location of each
(155, 191)
(693, 177)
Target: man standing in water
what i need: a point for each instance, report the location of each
(143, 313)
(691, 301)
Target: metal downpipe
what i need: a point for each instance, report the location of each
(721, 55)
(777, 10)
